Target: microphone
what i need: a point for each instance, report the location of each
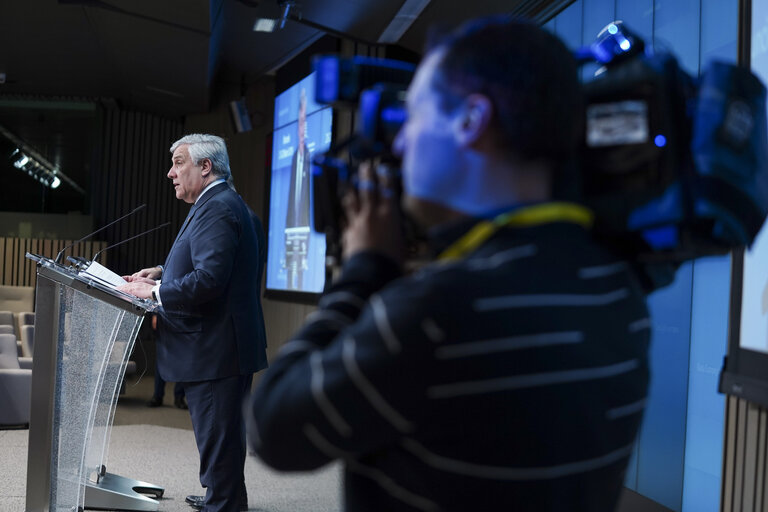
(95, 256)
(61, 252)
(78, 261)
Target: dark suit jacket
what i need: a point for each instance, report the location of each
(211, 323)
(298, 212)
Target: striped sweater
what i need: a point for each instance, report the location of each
(512, 379)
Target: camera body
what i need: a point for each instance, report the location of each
(678, 164)
(376, 89)
(673, 167)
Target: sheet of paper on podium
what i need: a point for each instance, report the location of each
(102, 274)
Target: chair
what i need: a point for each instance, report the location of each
(15, 385)
(23, 318)
(6, 318)
(27, 340)
(8, 329)
(17, 298)
(26, 318)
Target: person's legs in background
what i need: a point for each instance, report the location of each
(178, 396)
(159, 393)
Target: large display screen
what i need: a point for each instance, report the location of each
(754, 292)
(745, 373)
(296, 253)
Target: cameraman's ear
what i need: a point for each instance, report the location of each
(473, 119)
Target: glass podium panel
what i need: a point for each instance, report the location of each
(84, 334)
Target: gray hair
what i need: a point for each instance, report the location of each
(212, 147)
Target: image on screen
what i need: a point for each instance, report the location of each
(754, 295)
(296, 253)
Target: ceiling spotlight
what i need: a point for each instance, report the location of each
(35, 165)
(272, 24)
(290, 11)
(20, 159)
(265, 25)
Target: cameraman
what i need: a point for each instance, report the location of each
(509, 374)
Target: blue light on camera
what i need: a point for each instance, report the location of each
(393, 115)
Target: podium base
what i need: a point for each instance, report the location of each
(115, 492)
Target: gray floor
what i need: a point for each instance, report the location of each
(156, 445)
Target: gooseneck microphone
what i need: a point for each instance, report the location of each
(95, 256)
(61, 252)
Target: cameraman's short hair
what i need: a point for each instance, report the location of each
(212, 147)
(528, 74)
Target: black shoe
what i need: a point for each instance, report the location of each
(197, 502)
(180, 402)
(155, 402)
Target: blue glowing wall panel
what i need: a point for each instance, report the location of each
(638, 14)
(661, 444)
(677, 460)
(568, 25)
(719, 26)
(705, 418)
(676, 28)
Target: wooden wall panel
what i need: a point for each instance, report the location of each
(17, 270)
(745, 479)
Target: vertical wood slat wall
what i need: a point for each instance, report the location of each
(17, 270)
(745, 457)
(133, 164)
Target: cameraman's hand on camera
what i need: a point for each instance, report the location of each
(373, 217)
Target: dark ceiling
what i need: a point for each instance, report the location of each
(166, 56)
(163, 55)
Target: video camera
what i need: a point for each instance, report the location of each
(376, 88)
(674, 167)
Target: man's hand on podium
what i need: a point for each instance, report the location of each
(151, 273)
(141, 287)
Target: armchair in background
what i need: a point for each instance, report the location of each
(27, 340)
(15, 385)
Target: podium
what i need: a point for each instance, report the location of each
(84, 334)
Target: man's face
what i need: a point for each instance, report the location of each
(188, 179)
(431, 163)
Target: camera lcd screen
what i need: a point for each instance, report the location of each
(296, 253)
(613, 124)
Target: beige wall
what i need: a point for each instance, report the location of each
(45, 225)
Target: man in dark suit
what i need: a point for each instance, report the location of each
(297, 215)
(211, 327)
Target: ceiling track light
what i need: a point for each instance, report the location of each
(43, 172)
(28, 160)
(291, 12)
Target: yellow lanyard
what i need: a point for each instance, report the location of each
(528, 216)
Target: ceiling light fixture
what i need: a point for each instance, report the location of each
(272, 24)
(26, 159)
(39, 171)
(290, 12)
